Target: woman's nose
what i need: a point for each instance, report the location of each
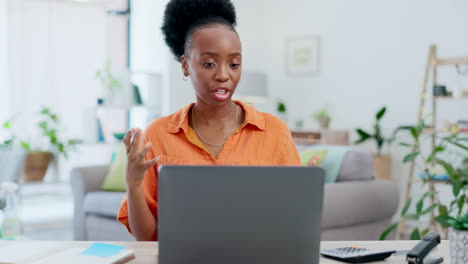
(222, 74)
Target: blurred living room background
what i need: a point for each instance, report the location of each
(77, 74)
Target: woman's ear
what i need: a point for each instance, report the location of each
(185, 68)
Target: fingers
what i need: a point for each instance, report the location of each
(127, 139)
(138, 138)
(152, 162)
(142, 153)
(136, 142)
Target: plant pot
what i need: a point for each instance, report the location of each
(458, 246)
(36, 166)
(324, 123)
(382, 167)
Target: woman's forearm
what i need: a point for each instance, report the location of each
(141, 220)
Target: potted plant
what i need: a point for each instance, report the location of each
(382, 162)
(114, 88)
(323, 117)
(40, 153)
(429, 202)
(458, 237)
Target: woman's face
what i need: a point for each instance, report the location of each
(214, 64)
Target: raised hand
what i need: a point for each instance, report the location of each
(136, 152)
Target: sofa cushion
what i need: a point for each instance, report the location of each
(115, 178)
(356, 166)
(103, 203)
(312, 157)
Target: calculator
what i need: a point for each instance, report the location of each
(356, 254)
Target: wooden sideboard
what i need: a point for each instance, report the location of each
(330, 137)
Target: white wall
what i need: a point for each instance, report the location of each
(373, 53)
(55, 49)
(149, 53)
(4, 81)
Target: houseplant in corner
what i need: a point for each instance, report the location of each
(382, 162)
(447, 151)
(40, 153)
(323, 117)
(458, 237)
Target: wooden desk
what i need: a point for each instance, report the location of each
(146, 252)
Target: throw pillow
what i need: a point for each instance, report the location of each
(313, 157)
(115, 178)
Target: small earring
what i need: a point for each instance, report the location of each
(185, 78)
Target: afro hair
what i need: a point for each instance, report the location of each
(181, 17)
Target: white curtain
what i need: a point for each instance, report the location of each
(4, 82)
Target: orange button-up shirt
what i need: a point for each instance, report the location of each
(262, 139)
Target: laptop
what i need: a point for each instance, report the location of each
(238, 214)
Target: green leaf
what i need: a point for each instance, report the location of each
(405, 144)
(420, 127)
(461, 203)
(60, 147)
(419, 206)
(458, 145)
(406, 207)
(443, 211)
(449, 169)
(410, 157)
(7, 124)
(378, 134)
(25, 145)
(412, 216)
(45, 111)
(381, 113)
(54, 118)
(414, 133)
(424, 232)
(436, 150)
(42, 125)
(388, 231)
(443, 220)
(72, 142)
(429, 209)
(456, 188)
(415, 235)
(404, 128)
(363, 136)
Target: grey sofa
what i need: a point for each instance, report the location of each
(356, 207)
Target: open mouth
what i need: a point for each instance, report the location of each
(221, 94)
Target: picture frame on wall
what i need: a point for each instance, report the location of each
(303, 56)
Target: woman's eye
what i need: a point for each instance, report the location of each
(209, 64)
(235, 65)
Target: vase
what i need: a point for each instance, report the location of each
(324, 123)
(36, 166)
(382, 167)
(458, 246)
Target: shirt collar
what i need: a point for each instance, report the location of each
(179, 120)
